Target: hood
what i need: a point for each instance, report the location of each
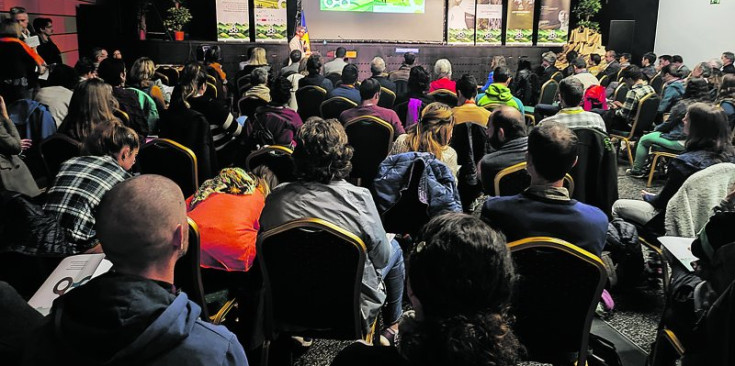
(119, 319)
(499, 91)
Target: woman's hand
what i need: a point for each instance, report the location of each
(26, 144)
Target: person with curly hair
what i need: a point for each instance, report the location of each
(322, 158)
(458, 319)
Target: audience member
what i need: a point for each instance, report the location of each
(85, 69)
(404, 71)
(466, 109)
(370, 94)
(295, 58)
(294, 79)
(259, 85)
(728, 58)
(141, 77)
(431, 134)
(98, 54)
(612, 68)
(622, 114)
(571, 92)
(134, 314)
(495, 61)
(678, 63)
(545, 208)
(670, 135)
(673, 88)
(584, 76)
(708, 142)
(14, 174)
(335, 66)
(498, 92)
(416, 99)
(117, 54)
(257, 59)
(212, 60)
(58, 92)
(507, 135)
(109, 153)
(347, 88)
(19, 15)
(226, 209)
(322, 156)
(443, 72)
(282, 122)
(663, 60)
(377, 69)
(726, 98)
(647, 62)
(19, 63)
(624, 60)
(47, 49)
(548, 67)
(571, 56)
(593, 66)
(314, 66)
(526, 83)
(460, 283)
(114, 73)
(91, 103)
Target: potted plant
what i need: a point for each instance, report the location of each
(176, 18)
(585, 10)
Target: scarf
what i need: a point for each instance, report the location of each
(230, 180)
(30, 51)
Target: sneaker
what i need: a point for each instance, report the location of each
(635, 173)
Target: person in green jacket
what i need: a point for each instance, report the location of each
(498, 92)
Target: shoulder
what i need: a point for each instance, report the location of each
(593, 214)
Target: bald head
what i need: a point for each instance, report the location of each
(510, 120)
(142, 224)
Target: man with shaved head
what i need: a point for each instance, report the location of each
(506, 129)
(134, 314)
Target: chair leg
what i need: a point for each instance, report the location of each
(653, 169)
(264, 353)
(629, 146)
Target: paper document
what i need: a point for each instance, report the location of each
(681, 249)
(33, 41)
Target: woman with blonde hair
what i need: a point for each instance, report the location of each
(91, 103)
(257, 59)
(431, 134)
(141, 77)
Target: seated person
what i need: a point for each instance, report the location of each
(134, 314)
(506, 132)
(109, 153)
(570, 57)
(647, 68)
(314, 67)
(496, 61)
(498, 92)
(377, 69)
(678, 62)
(47, 49)
(526, 84)
(612, 68)
(141, 75)
(56, 95)
(85, 69)
(670, 134)
(15, 174)
(226, 209)
(295, 58)
(466, 109)
(282, 122)
(322, 158)
(370, 94)
(416, 99)
(443, 72)
(571, 92)
(581, 74)
(347, 88)
(432, 134)
(212, 60)
(593, 66)
(338, 64)
(545, 208)
(708, 143)
(458, 319)
(259, 85)
(673, 89)
(114, 73)
(404, 70)
(726, 98)
(91, 104)
(620, 116)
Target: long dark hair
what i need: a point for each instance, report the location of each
(708, 130)
(462, 275)
(191, 80)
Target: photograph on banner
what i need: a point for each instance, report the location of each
(519, 31)
(233, 20)
(461, 22)
(489, 22)
(374, 6)
(270, 21)
(553, 25)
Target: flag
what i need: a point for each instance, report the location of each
(305, 37)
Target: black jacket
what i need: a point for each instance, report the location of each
(191, 129)
(596, 173)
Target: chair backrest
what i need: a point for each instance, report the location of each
(335, 78)
(247, 105)
(57, 149)
(445, 96)
(122, 115)
(160, 76)
(645, 115)
(657, 83)
(557, 76)
(309, 99)
(548, 92)
(372, 138)
(312, 277)
(171, 160)
(188, 274)
(515, 179)
(387, 98)
(408, 214)
(172, 74)
(334, 106)
(620, 92)
(557, 291)
(469, 140)
(211, 90)
(243, 83)
(401, 88)
(605, 80)
(277, 158)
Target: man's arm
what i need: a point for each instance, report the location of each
(627, 109)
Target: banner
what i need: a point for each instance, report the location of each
(270, 21)
(461, 22)
(489, 22)
(233, 20)
(553, 27)
(519, 31)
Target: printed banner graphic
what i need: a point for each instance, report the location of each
(461, 22)
(489, 22)
(553, 27)
(270, 21)
(233, 20)
(519, 31)
(374, 6)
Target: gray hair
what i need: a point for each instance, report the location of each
(716, 63)
(442, 68)
(549, 57)
(729, 55)
(258, 76)
(377, 65)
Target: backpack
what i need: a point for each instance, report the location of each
(594, 97)
(260, 135)
(625, 252)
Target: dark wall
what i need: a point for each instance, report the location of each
(645, 14)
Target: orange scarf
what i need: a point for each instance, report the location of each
(30, 51)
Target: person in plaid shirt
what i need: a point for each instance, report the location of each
(81, 182)
(571, 92)
(624, 113)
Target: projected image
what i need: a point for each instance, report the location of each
(374, 6)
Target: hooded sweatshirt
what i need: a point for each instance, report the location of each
(498, 93)
(120, 319)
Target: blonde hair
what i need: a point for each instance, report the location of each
(142, 72)
(258, 57)
(433, 131)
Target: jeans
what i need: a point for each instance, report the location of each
(393, 275)
(645, 142)
(637, 211)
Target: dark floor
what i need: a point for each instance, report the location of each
(636, 313)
